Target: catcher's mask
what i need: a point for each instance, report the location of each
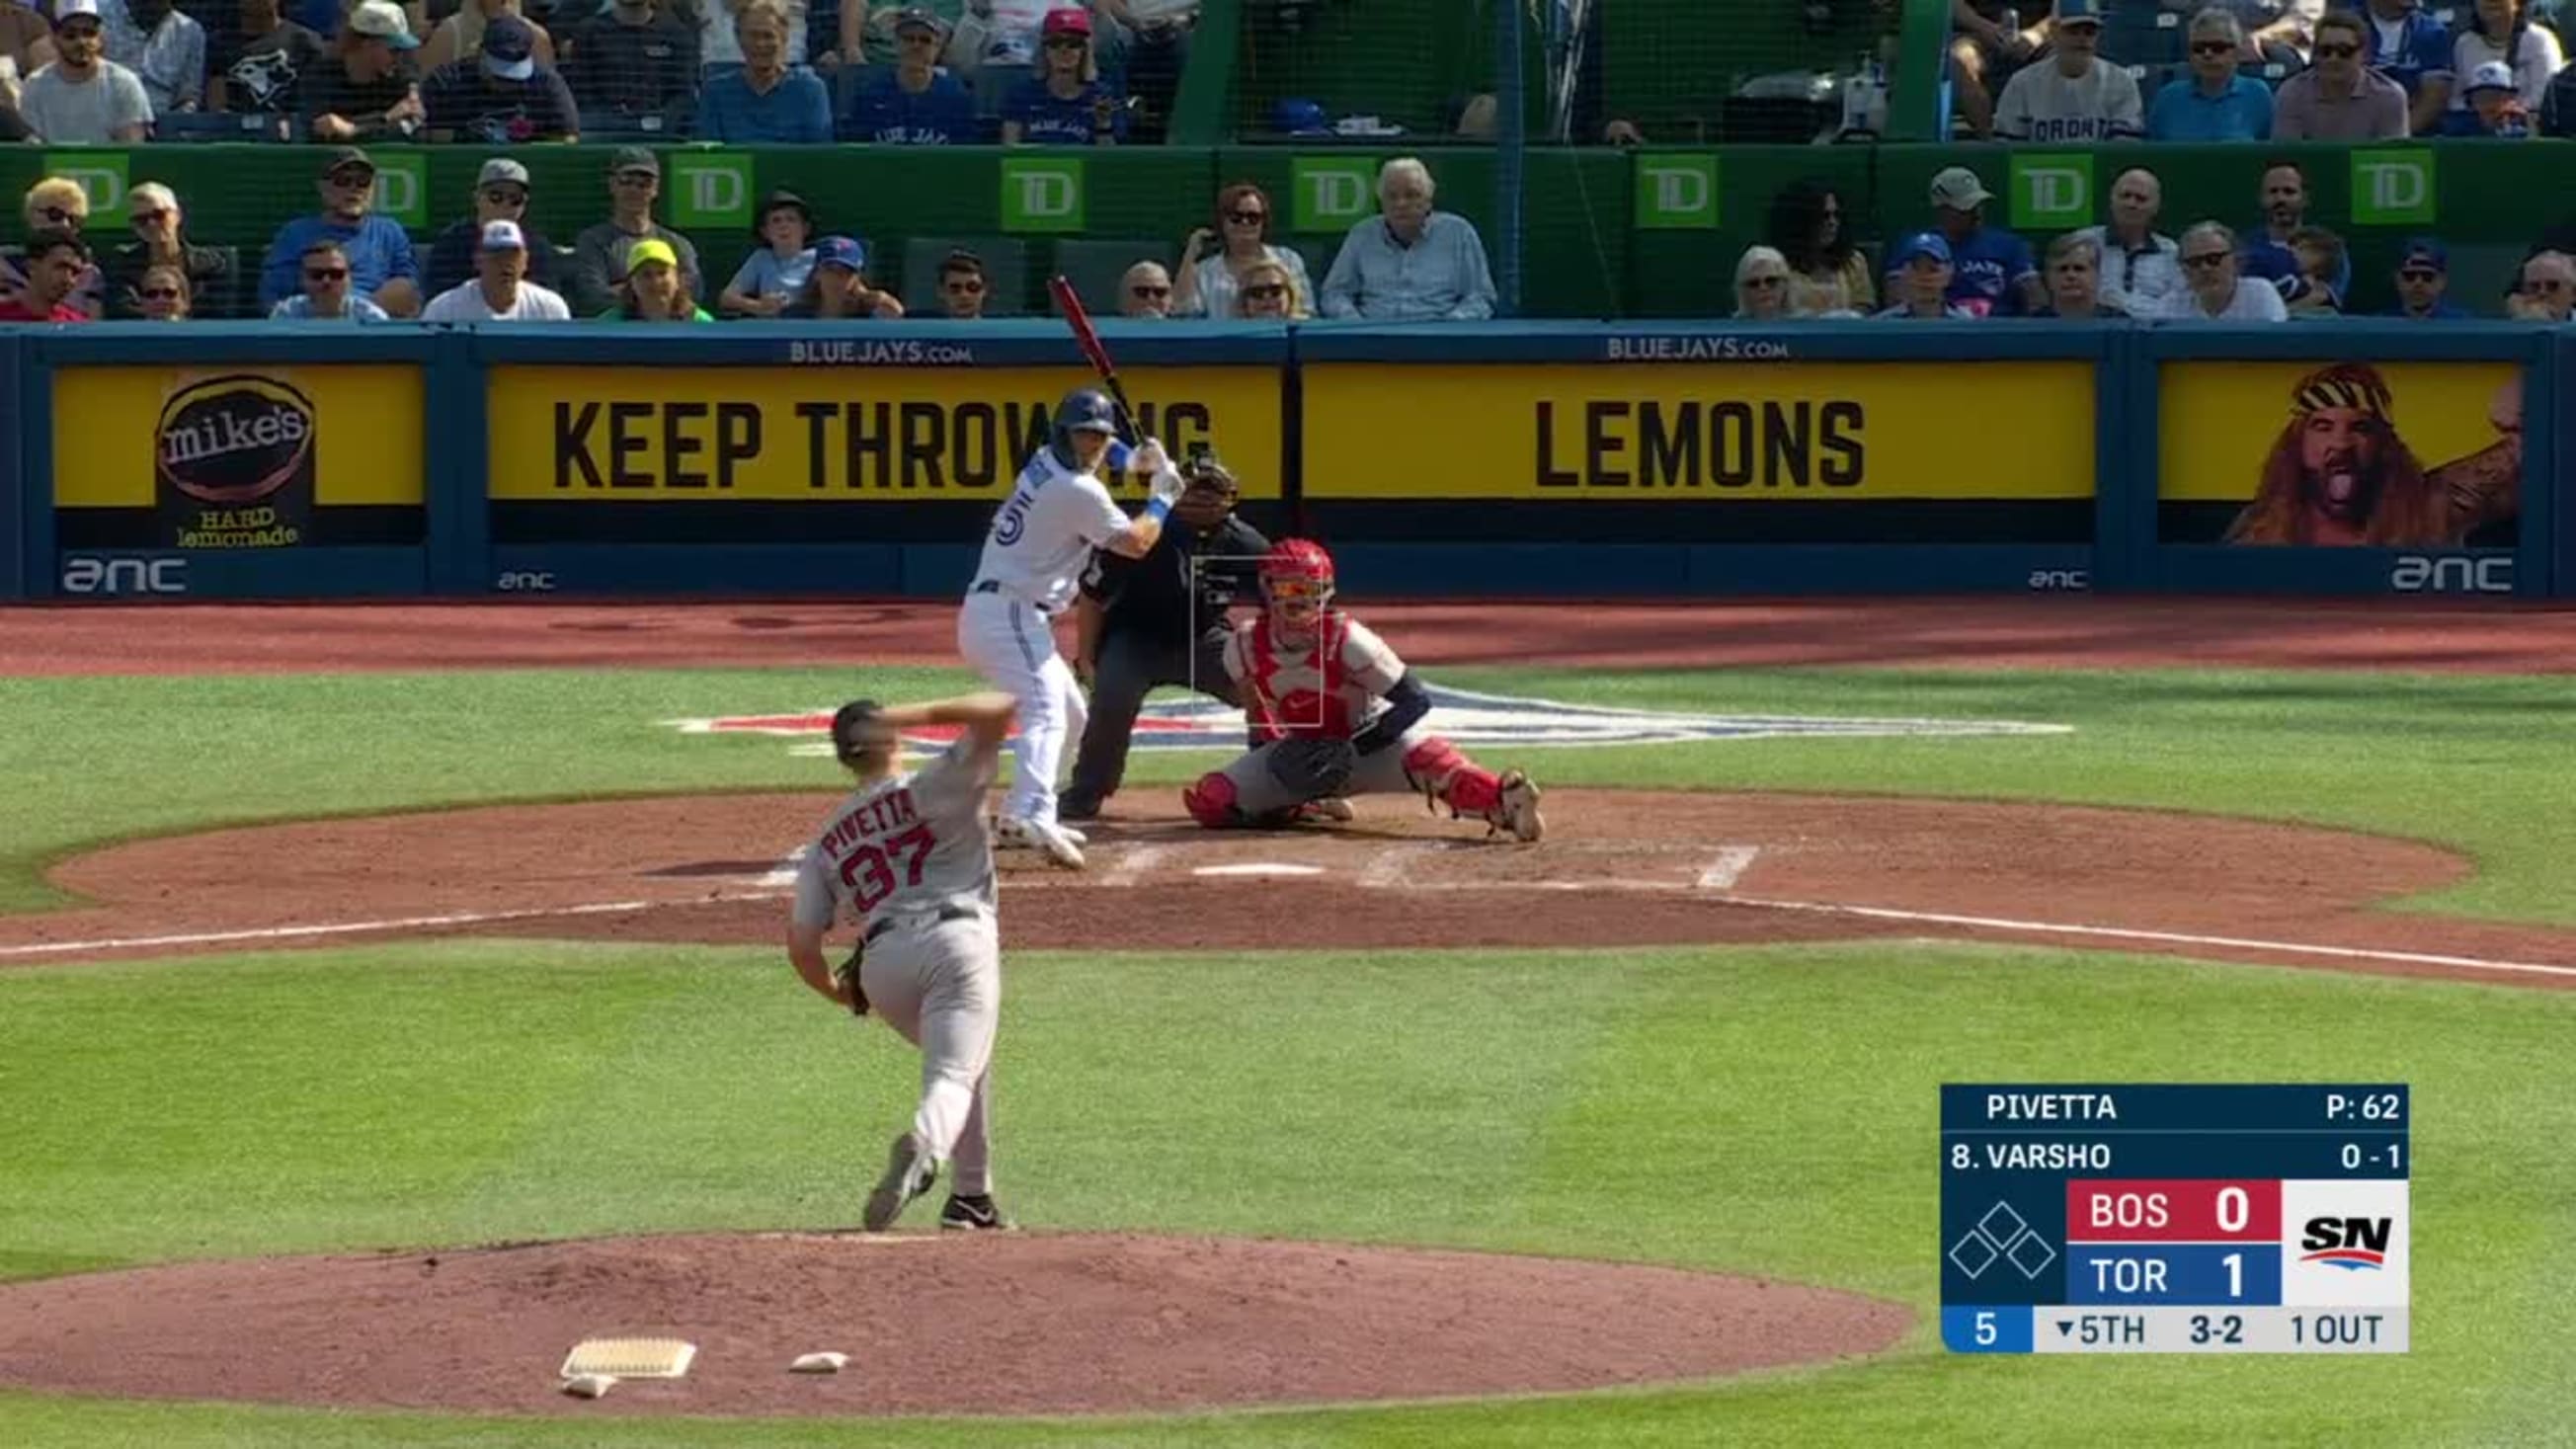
(1297, 583)
(859, 740)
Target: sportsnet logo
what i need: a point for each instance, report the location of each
(1464, 716)
(2351, 1244)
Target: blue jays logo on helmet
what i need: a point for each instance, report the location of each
(1086, 410)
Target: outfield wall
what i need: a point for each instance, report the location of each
(1501, 459)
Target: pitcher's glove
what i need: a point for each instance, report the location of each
(1310, 769)
(847, 973)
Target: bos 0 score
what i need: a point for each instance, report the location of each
(1646, 443)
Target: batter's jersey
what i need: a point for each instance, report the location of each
(1044, 533)
(915, 842)
(1324, 685)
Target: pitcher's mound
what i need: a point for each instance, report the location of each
(1023, 1323)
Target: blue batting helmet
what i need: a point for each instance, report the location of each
(1084, 410)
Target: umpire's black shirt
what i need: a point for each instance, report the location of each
(1150, 596)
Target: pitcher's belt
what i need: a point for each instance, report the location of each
(945, 913)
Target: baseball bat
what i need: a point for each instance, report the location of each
(1069, 302)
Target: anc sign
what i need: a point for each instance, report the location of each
(1463, 716)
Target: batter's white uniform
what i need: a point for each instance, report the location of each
(909, 857)
(1035, 550)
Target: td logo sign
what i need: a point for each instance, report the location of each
(2052, 190)
(708, 188)
(2393, 188)
(1042, 193)
(103, 175)
(402, 188)
(1677, 191)
(1330, 193)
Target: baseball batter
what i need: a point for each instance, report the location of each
(1343, 715)
(908, 856)
(1040, 538)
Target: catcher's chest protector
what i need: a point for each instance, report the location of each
(1306, 683)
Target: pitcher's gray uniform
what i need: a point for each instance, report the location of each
(910, 856)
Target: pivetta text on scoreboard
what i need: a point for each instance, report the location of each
(2130, 1218)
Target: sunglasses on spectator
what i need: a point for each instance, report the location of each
(1266, 289)
(505, 196)
(2204, 259)
(635, 178)
(53, 213)
(1766, 281)
(2548, 284)
(160, 294)
(1147, 289)
(325, 274)
(2212, 47)
(1247, 218)
(354, 178)
(2345, 51)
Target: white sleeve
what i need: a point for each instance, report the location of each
(1100, 519)
(814, 905)
(2268, 302)
(2128, 117)
(1367, 660)
(2012, 111)
(1238, 646)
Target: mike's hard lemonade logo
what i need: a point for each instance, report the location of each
(234, 455)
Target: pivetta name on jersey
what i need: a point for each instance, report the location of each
(1463, 716)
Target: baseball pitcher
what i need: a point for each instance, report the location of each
(1058, 511)
(908, 856)
(1343, 716)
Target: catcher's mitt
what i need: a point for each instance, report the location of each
(1311, 769)
(847, 973)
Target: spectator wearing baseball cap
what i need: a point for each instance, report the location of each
(637, 59)
(1920, 270)
(500, 291)
(652, 291)
(2075, 95)
(1066, 103)
(2491, 107)
(765, 103)
(1991, 270)
(2424, 283)
(838, 286)
(599, 253)
(462, 36)
(2500, 32)
(915, 101)
(500, 194)
(369, 90)
(84, 98)
(769, 280)
(503, 96)
(381, 264)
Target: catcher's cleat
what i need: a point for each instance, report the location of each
(909, 1173)
(1332, 809)
(1051, 841)
(1516, 808)
(974, 1214)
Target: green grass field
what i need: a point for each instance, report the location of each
(1767, 1110)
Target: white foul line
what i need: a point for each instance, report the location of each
(1729, 867)
(343, 928)
(2172, 938)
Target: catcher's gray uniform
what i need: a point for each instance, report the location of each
(911, 858)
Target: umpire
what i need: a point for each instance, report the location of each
(1160, 619)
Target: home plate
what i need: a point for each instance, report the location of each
(1258, 867)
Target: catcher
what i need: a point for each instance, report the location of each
(1340, 715)
(909, 855)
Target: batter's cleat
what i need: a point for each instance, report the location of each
(909, 1173)
(1516, 807)
(1051, 841)
(1331, 810)
(1069, 833)
(974, 1214)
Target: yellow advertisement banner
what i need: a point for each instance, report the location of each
(237, 443)
(1860, 431)
(798, 434)
(2391, 454)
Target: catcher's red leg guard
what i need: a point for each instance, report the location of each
(1441, 770)
(1211, 801)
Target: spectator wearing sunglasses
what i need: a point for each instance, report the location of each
(2340, 99)
(1145, 293)
(328, 292)
(1268, 293)
(2216, 102)
(2212, 289)
(56, 203)
(2424, 283)
(2545, 292)
(964, 287)
(152, 211)
(1066, 103)
(1217, 258)
(500, 194)
(162, 295)
(1762, 285)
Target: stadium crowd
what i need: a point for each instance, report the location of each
(496, 73)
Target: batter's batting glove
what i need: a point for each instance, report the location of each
(848, 976)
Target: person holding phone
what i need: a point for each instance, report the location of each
(1214, 263)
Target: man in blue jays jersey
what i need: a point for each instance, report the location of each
(1992, 273)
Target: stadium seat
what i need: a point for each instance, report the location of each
(2483, 272)
(2134, 34)
(1094, 266)
(993, 85)
(214, 126)
(621, 126)
(1006, 267)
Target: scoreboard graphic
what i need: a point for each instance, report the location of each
(2129, 1218)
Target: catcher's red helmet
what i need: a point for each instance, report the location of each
(1297, 579)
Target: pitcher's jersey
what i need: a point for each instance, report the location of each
(1327, 685)
(913, 842)
(1045, 531)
